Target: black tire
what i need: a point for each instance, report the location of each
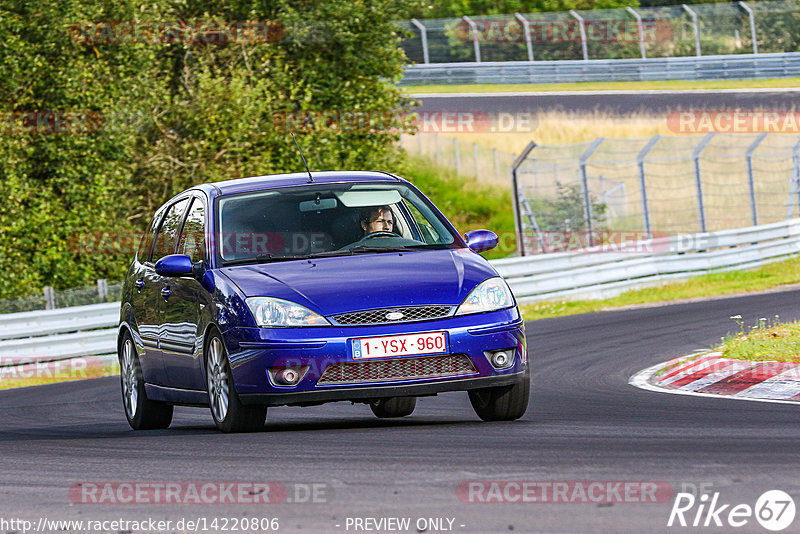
(227, 410)
(393, 407)
(141, 412)
(502, 403)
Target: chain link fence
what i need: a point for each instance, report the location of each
(50, 298)
(644, 32)
(654, 187)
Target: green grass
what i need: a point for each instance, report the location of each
(704, 286)
(605, 86)
(767, 340)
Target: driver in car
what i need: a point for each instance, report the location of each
(377, 219)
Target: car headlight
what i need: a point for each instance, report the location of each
(270, 311)
(489, 295)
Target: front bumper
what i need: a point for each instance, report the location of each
(252, 351)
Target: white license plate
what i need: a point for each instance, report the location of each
(405, 345)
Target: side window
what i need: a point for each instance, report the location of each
(192, 241)
(143, 254)
(167, 236)
(429, 235)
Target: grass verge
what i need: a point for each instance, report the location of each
(769, 339)
(724, 283)
(674, 85)
(15, 377)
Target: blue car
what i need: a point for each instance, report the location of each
(302, 289)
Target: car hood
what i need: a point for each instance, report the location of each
(342, 284)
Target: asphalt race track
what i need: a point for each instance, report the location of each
(623, 102)
(585, 424)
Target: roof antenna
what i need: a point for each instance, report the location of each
(310, 178)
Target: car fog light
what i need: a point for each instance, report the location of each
(287, 376)
(501, 359)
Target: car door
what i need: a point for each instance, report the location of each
(181, 342)
(145, 303)
(166, 241)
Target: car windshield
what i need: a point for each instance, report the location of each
(327, 220)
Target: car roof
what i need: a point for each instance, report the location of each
(256, 183)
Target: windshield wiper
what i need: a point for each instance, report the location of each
(264, 258)
(362, 248)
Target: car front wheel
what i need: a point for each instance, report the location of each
(501, 403)
(141, 412)
(229, 414)
(393, 407)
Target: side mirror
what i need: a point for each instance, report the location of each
(175, 265)
(481, 240)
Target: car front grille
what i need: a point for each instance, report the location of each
(448, 365)
(409, 314)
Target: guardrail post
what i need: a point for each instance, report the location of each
(696, 29)
(643, 185)
(49, 298)
(457, 156)
(640, 27)
(698, 182)
(515, 195)
(423, 32)
(752, 18)
(750, 182)
(587, 200)
(102, 289)
(475, 38)
(475, 157)
(583, 33)
(526, 31)
(795, 179)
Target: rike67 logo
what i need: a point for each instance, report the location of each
(774, 510)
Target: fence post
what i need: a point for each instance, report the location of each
(587, 201)
(526, 30)
(475, 157)
(583, 33)
(640, 28)
(796, 169)
(423, 32)
(696, 29)
(643, 185)
(515, 195)
(698, 183)
(457, 156)
(49, 298)
(750, 182)
(475, 38)
(752, 18)
(102, 289)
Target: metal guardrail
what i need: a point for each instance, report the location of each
(777, 65)
(51, 335)
(591, 274)
(587, 273)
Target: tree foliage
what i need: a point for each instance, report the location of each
(173, 114)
